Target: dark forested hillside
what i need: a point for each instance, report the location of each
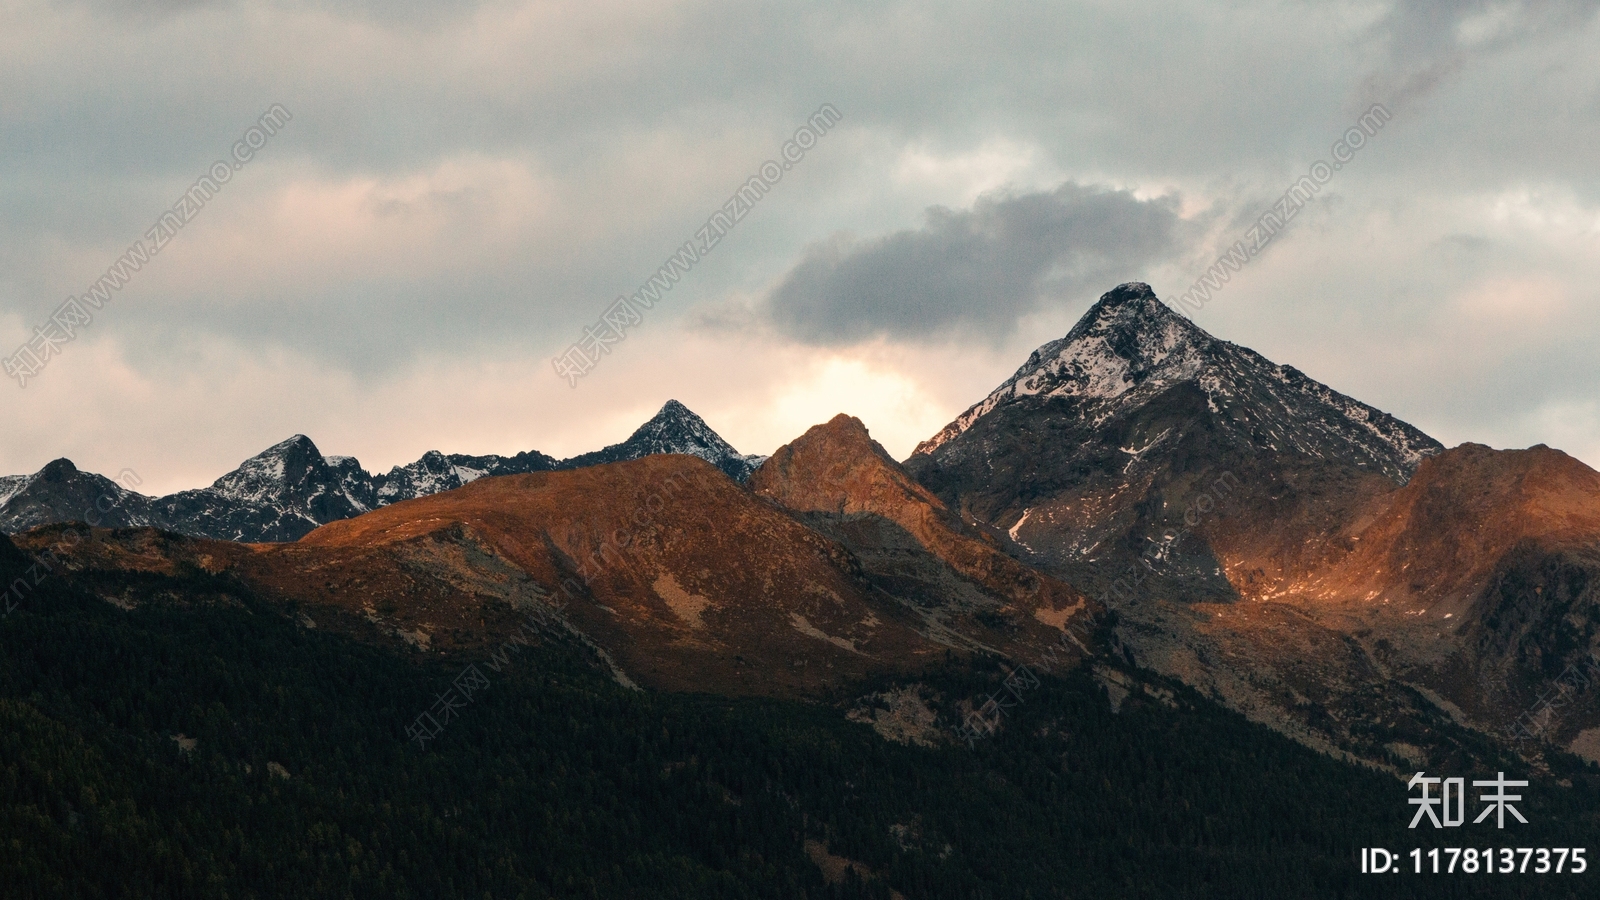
(212, 746)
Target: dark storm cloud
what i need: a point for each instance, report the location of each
(979, 269)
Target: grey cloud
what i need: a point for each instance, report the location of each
(1430, 41)
(1190, 94)
(399, 11)
(979, 269)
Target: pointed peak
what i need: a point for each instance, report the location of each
(58, 470)
(1127, 340)
(1124, 293)
(838, 433)
(675, 423)
(674, 429)
(1127, 333)
(1130, 348)
(297, 443)
(842, 425)
(671, 417)
(828, 466)
(268, 472)
(1128, 306)
(672, 410)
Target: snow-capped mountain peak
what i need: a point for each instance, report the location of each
(273, 472)
(433, 473)
(60, 492)
(289, 489)
(1130, 348)
(674, 429)
(1127, 340)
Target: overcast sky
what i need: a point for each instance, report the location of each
(463, 187)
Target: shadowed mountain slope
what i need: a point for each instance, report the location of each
(1314, 561)
(841, 482)
(666, 569)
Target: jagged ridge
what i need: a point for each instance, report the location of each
(289, 489)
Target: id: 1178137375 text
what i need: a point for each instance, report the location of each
(1475, 861)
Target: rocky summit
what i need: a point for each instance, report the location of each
(1105, 441)
(1130, 350)
(675, 429)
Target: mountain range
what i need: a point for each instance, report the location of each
(1138, 491)
(289, 489)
